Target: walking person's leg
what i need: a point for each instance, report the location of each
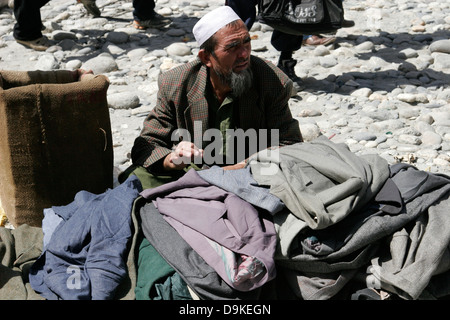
(145, 16)
(91, 7)
(28, 27)
(245, 9)
(287, 44)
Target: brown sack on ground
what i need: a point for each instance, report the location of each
(55, 140)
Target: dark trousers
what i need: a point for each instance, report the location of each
(143, 9)
(246, 10)
(28, 19)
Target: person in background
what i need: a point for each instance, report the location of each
(317, 40)
(28, 27)
(144, 13)
(224, 88)
(91, 7)
(285, 43)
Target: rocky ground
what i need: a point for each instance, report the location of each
(382, 87)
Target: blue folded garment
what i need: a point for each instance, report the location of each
(85, 257)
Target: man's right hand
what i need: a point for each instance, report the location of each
(184, 153)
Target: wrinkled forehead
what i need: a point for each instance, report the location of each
(233, 32)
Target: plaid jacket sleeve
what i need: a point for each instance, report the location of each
(169, 113)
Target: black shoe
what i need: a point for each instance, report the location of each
(348, 23)
(157, 21)
(287, 66)
(90, 7)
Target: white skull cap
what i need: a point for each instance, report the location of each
(211, 22)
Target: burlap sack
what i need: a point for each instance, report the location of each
(55, 140)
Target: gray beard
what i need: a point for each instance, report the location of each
(238, 82)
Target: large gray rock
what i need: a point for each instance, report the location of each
(103, 63)
(440, 46)
(123, 100)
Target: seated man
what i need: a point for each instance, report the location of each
(225, 94)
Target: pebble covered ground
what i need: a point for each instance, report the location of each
(382, 87)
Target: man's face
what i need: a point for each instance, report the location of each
(233, 48)
(231, 59)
